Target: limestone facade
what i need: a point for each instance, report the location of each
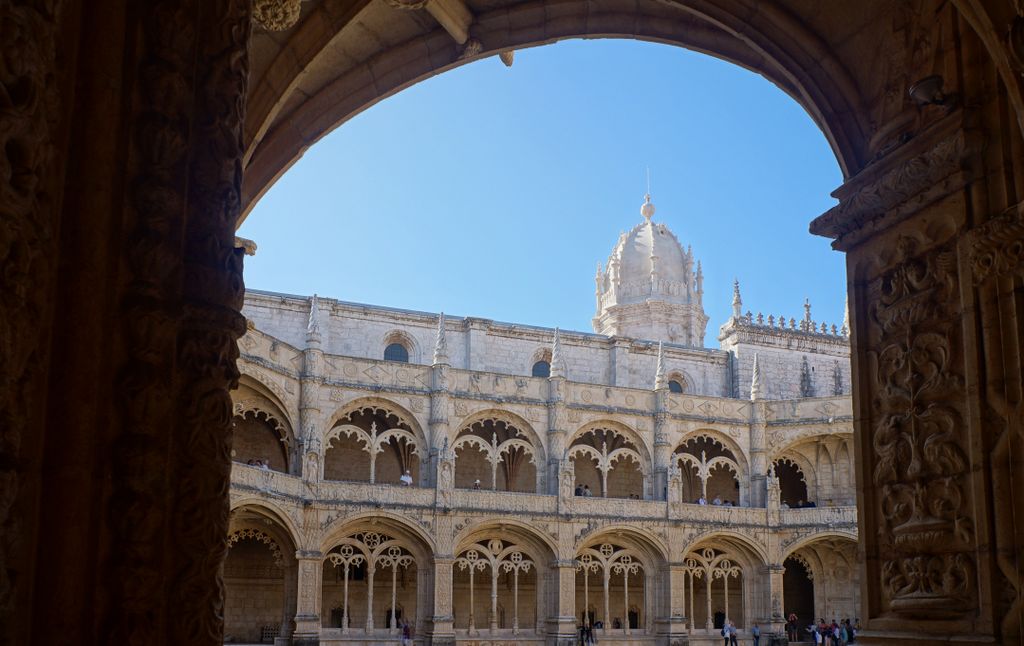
(490, 542)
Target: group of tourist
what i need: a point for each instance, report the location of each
(583, 490)
(837, 633)
(800, 504)
(262, 464)
(715, 501)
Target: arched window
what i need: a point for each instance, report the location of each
(674, 386)
(542, 369)
(396, 352)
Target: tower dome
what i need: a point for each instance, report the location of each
(649, 288)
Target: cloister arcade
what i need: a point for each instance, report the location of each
(371, 444)
(610, 461)
(498, 450)
(710, 470)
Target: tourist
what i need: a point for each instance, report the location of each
(702, 501)
(732, 633)
(251, 462)
(579, 490)
(476, 484)
(406, 479)
(792, 627)
(800, 504)
(717, 501)
(587, 493)
(265, 464)
(755, 632)
(406, 632)
(784, 505)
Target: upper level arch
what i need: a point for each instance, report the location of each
(610, 460)
(498, 450)
(294, 101)
(374, 440)
(268, 516)
(263, 433)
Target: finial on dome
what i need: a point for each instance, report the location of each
(647, 210)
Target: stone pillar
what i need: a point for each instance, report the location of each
(441, 631)
(291, 599)
(310, 588)
(438, 423)
(561, 626)
(310, 463)
(557, 434)
(775, 620)
(662, 449)
(935, 281)
(671, 622)
(758, 455)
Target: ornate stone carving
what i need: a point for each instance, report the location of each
(276, 15)
(997, 247)
(919, 464)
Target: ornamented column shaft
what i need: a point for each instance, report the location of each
(310, 585)
(924, 431)
(557, 432)
(441, 631)
(561, 628)
(310, 380)
(440, 402)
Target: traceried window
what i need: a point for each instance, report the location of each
(396, 352)
(674, 386)
(542, 369)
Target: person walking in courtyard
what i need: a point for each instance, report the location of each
(406, 633)
(792, 627)
(732, 632)
(755, 632)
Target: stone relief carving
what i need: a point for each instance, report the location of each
(919, 463)
(997, 247)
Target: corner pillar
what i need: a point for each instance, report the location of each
(561, 626)
(441, 631)
(310, 588)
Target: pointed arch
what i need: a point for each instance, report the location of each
(373, 439)
(492, 442)
(612, 458)
(270, 512)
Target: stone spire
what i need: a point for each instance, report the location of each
(660, 382)
(700, 281)
(557, 368)
(441, 343)
(737, 302)
(846, 317)
(755, 382)
(313, 327)
(807, 310)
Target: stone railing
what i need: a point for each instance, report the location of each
(807, 516)
(272, 484)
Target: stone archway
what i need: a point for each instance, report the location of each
(124, 183)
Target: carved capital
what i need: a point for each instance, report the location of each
(276, 15)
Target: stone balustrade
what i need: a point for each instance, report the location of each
(272, 484)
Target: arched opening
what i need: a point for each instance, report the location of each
(396, 352)
(710, 472)
(792, 484)
(607, 464)
(675, 386)
(495, 454)
(372, 444)
(541, 369)
(798, 603)
(372, 584)
(260, 441)
(499, 583)
(259, 579)
(611, 589)
(830, 563)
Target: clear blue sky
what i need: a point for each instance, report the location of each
(493, 192)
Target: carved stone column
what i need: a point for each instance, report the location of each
(310, 589)
(561, 626)
(438, 422)
(671, 624)
(556, 436)
(662, 450)
(310, 379)
(927, 500)
(442, 623)
(758, 454)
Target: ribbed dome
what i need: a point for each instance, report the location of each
(649, 266)
(649, 262)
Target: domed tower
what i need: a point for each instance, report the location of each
(649, 288)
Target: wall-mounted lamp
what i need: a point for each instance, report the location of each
(928, 91)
